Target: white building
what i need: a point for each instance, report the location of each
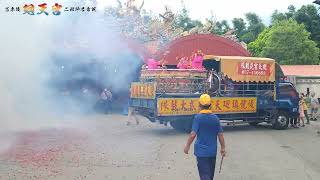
(304, 77)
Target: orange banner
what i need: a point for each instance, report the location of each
(143, 90)
(190, 106)
(246, 69)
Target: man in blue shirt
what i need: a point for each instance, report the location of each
(206, 127)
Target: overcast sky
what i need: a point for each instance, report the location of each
(222, 9)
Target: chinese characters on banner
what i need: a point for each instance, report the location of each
(190, 106)
(45, 9)
(143, 90)
(254, 69)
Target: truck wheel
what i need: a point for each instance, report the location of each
(281, 121)
(177, 125)
(253, 123)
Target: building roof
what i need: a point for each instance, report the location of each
(207, 43)
(301, 70)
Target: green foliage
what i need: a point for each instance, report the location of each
(291, 11)
(288, 42)
(257, 46)
(255, 27)
(184, 21)
(278, 16)
(221, 27)
(309, 16)
(239, 25)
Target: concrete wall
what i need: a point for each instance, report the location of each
(313, 83)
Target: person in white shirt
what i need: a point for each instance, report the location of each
(106, 98)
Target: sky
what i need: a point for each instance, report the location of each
(221, 9)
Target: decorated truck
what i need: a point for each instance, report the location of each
(243, 90)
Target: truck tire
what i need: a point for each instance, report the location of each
(281, 121)
(177, 125)
(183, 125)
(253, 123)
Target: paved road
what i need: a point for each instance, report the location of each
(103, 147)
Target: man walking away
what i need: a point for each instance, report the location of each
(206, 127)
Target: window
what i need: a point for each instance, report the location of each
(287, 90)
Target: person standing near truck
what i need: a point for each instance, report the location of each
(206, 128)
(301, 112)
(305, 107)
(131, 112)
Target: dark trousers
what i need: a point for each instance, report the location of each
(206, 167)
(105, 106)
(307, 117)
(293, 121)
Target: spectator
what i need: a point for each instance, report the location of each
(293, 122)
(106, 100)
(301, 111)
(305, 107)
(131, 112)
(314, 107)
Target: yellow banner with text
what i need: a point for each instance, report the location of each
(190, 106)
(143, 90)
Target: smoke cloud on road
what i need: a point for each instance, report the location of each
(30, 52)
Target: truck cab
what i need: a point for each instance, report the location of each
(288, 99)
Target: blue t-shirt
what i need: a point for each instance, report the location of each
(207, 127)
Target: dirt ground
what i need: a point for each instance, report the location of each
(103, 147)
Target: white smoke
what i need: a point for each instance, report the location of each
(28, 45)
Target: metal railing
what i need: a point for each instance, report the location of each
(217, 87)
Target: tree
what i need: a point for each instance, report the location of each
(184, 21)
(309, 16)
(257, 46)
(221, 27)
(288, 42)
(255, 27)
(278, 16)
(239, 25)
(291, 11)
(317, 2)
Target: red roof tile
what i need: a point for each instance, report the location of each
(301, 70)
(209, 44)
